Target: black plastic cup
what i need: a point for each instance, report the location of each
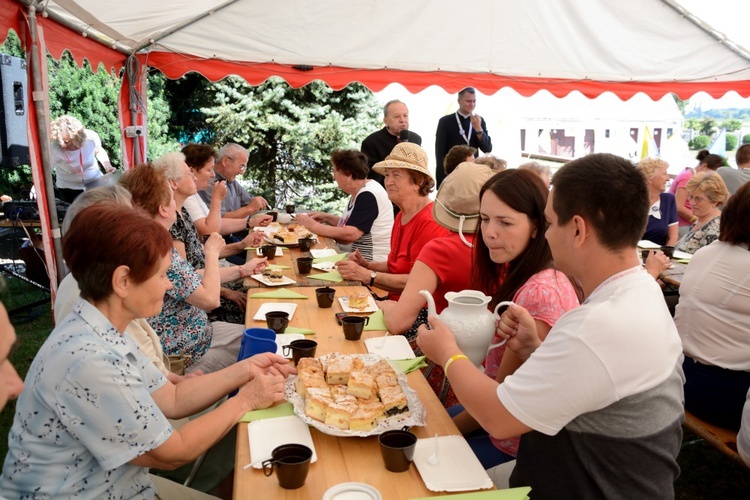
(292, 463)
(268, 251)
(277, 320)
(304, 265)
(668, 251)
(290, 209)
(353, 326)
(325, 297)
(305, 244)
(273, 214)
(301, 348)
(397, 449)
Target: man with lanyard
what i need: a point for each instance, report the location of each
(598, 404)
(379, 144)
(462, 127)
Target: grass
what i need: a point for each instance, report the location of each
(705, 472)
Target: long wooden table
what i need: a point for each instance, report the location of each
(289, 258)
(340, 459)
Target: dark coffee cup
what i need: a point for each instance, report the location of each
(302, 348)
(325, 297)
(397, 449)
(645, 254)
(304, 265)
(292, 463)
(668, 251)
(305, 244)
(273, 214)
(290, 209)
(277, 320)
(268, 251)
(353, 326)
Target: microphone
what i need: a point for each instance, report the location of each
(403, 136)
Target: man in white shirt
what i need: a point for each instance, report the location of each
(598, 404)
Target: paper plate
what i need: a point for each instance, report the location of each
(267, 282)
(344, 301)
(352, 491)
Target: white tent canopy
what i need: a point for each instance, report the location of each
(655, 46)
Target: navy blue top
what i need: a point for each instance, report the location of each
(656, 229)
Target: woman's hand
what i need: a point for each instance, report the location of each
(263, 390)
(438, 344)
(305, 221)
(656, 263)
(238, 298)
(254, 239)
(219, 190)
(260, 220)
(350, 270)
(214, 244)
(356, 257)
(255, 266)
(518, 327)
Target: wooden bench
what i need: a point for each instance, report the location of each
(722, 439)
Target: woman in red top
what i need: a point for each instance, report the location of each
(408, 183)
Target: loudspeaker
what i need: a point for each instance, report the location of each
(14, 143)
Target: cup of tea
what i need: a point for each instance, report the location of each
(353, 326)
(277, 320)
(274, 214)
(268, 251)
(304, 265)
(305, 244)
(668, 251)
(397, 449)
(290, 209)
(301, 348)
(325, 296)
(291, 462)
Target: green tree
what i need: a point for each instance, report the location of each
(680, 103)
(693, 124)
(290, 134)
(746, 139)
(732, 125)
(701, 142)
(732, 141)
(708, 126)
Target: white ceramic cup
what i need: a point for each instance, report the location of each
(284, 218)
(497, 316)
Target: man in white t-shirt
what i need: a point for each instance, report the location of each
(598, 405)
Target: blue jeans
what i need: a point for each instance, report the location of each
(480, 443)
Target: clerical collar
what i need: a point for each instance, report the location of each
(463, 115)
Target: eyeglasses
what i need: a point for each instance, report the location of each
(242, 166)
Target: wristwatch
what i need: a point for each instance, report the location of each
(372, 278)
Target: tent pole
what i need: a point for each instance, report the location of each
(38, 68)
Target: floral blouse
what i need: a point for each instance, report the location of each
(184, 230)
(698, 237)
(86, 413)
(182, 327)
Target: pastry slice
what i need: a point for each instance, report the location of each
(317, 402)
(360, 385)
(338, 370)
(394, 401)
(339, 414)
(366, 417)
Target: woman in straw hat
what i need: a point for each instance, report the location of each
(444, 264)
(408, 183)
(512, 261)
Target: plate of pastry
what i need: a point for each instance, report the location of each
(358, 302)
(273, 277)
(353, 395)
(288, 235)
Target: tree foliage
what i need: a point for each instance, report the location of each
(732, 125)
(731, 142)
(290, 134)
(701, 142)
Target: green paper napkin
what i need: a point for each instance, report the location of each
(277, 266)
(409, 365)
(332, 276)
(330, 258)
(281, 293)
(376, 323)
(509, 494)
(303, 331)
(282, 410)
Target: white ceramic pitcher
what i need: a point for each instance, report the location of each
(469, 320)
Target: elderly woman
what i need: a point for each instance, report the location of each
(457, 155)
(74, 152)
(367, 222)
(95, 416)
(662, 227)
(707, 192)
(187, 241)
(201, 159)
(11, 384)
(408, 183)
(713, 319)
(543, 171)
(182, 325)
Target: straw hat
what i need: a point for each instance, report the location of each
(405, 155)
(458, 197)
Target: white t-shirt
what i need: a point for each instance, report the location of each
(713, 315)
(195, 207)
(621, 341)
(370, 211)
(75, 168)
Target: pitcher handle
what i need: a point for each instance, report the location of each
(497, 317)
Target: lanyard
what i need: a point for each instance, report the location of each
(79, 170)
(612, 278)
(466, 137)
